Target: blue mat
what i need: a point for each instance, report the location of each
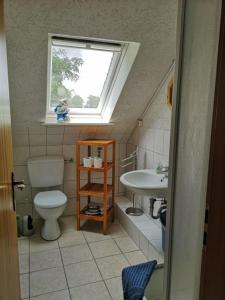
(135, 279)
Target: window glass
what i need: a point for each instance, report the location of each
(79, 75)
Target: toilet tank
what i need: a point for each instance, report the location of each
(46, 171)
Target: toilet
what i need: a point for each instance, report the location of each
(46, 172)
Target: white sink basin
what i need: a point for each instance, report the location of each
(145, 182)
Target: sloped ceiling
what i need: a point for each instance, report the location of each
(150, 22)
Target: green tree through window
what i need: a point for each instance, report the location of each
(64, 67)
(92, 101)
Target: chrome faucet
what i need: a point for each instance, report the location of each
(162, 170)
(164, 177)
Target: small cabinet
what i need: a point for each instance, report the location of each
(104, 190)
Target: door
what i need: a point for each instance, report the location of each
(9, 268)
(213, 258)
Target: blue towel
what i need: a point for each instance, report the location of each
(135, 279)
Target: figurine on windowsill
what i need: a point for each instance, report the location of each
(62, 111)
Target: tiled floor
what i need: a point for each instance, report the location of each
(80, 265)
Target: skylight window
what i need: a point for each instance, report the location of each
(85, 72)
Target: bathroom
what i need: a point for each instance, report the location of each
(64, 254)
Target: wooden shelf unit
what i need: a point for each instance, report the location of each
(91, 189)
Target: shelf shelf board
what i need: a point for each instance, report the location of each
(107, 167)
(95, 142)
(94, 189)
(99, 218)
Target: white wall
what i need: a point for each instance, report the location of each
(50, 141)
(153, 138)
(199, 61)
(152, 23)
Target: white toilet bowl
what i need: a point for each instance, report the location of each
(50, 206)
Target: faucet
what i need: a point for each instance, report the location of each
(164, 177)
(162, 170)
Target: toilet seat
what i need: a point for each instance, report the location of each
(50, 199)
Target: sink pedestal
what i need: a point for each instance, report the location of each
(134, 211)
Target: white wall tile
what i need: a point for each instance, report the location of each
(149, 160)
(122, 151)
(69, 188)
(69, 152)
(37, 151)
(158, 145)
(19, 128)
(69, 171)
(37, 139)
(54, 150)
(20, 139)
(21, 173)
(153, 138)
(38, 129)
(50, 136)
(20, 155)
(143, 244)
(59, 130)
(152, 253)
(70, 207)
(54, 139)
(28, 64)
(23, 196)
(73, 130)
(23, 209)
(69, 139)
(166, 142)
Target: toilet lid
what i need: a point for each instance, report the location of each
(50, 199)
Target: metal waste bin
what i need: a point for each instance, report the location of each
(163, 223)
(27, 226)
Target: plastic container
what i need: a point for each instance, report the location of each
(87, 161)
(97, 162)
(92, 160)
(163, 223)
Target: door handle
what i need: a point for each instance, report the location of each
(19, 185)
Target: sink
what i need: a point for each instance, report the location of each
(145, 182)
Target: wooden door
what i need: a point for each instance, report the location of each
(213, 259)
(9, 269)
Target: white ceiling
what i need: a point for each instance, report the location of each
(150, 22)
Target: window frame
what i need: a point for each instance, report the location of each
(108, 98)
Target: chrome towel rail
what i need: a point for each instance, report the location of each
(131, 159)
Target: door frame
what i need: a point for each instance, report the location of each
(173, 147)
(9, 258)
(216, 216)
(213, 259)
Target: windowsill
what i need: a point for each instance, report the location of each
(50, 120)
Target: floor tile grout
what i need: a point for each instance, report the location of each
(48, 293)
(64, 271)
(70, 246)
(108, 290)
(94, 259)
(80, 285)
(45, 269)
(97, 267)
